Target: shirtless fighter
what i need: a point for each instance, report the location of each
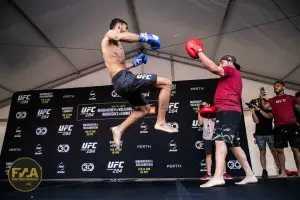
(130, 86)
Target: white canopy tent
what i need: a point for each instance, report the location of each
(44, 44)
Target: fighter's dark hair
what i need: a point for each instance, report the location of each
(115, 21)
(280, 82)
(297, 94)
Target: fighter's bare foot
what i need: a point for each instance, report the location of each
(165, 127)
(247, 180)
(282, 175)
(117, 137)
(213, 182)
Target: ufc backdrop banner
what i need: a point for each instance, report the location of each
(67, 131)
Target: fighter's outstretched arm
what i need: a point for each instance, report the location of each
(123, 37)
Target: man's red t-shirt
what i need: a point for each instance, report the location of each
(229, 91)
(283, 109)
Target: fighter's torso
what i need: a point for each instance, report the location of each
(114, 56)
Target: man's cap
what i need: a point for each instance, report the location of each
(281, 82)
(233, 59)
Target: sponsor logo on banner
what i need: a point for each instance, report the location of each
(67, 112)
(203, 166)
(173, 92)
(43, 113)
(173, 166)
(90, 129)
(61, 168)
(89, 147)
(87, 167)
(41, 131)
(24, 99)
(38, 150)
(173, 146)
(7, 166)
(63, 148)
(68, 96)
(112, 147)
(174, 125)
(65, 129)
(115, 166)
(173, 107)
(114, 94)
(143, 146)
(197, 88)
(234, 164)
(93, 96)
(46, 97)
(144, 128)
(196, 125)
(21, 115)
(88, 112)
(195, 104)
(144, 166)
(14, 149)
(18, 133)
(199, 145)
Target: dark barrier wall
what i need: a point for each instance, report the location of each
(68, 132)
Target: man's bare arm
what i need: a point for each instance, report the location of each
(129, 65)
(210, 65)
(123, 37)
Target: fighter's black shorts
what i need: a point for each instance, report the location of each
(227, 127)
(131, 87)
(287, 134)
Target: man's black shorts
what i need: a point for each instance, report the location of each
(227, 127)
(208, 146)
(131, 87)
(287, 134)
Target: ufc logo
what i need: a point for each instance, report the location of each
(64, 128)
(116, 164)
(281, 101)
(173, 105)
(144, 76)
(88, 109)
(89, 145)
(44, 111)
(24, 97)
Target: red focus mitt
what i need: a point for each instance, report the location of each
(193, 47)
(208, 112)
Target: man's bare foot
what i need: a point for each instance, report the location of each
(165, 127)
(247, 179)
(116, 136)
(282, 175)
(213, 182)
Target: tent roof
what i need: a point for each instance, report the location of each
(45, 42)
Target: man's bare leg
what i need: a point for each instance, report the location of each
(281, 158)
(218, 179)
(297, 159)
(263, 160)
(241, 156)
(276, 160)
(135, 115)
(208, 161)
(163, 103)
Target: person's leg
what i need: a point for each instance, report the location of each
(208, 158)
(280, 144)
(271, 144)
(147, 82)
(261, 143)
(141, 108)
(242, 158)
(294, 140)
(165, 86)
